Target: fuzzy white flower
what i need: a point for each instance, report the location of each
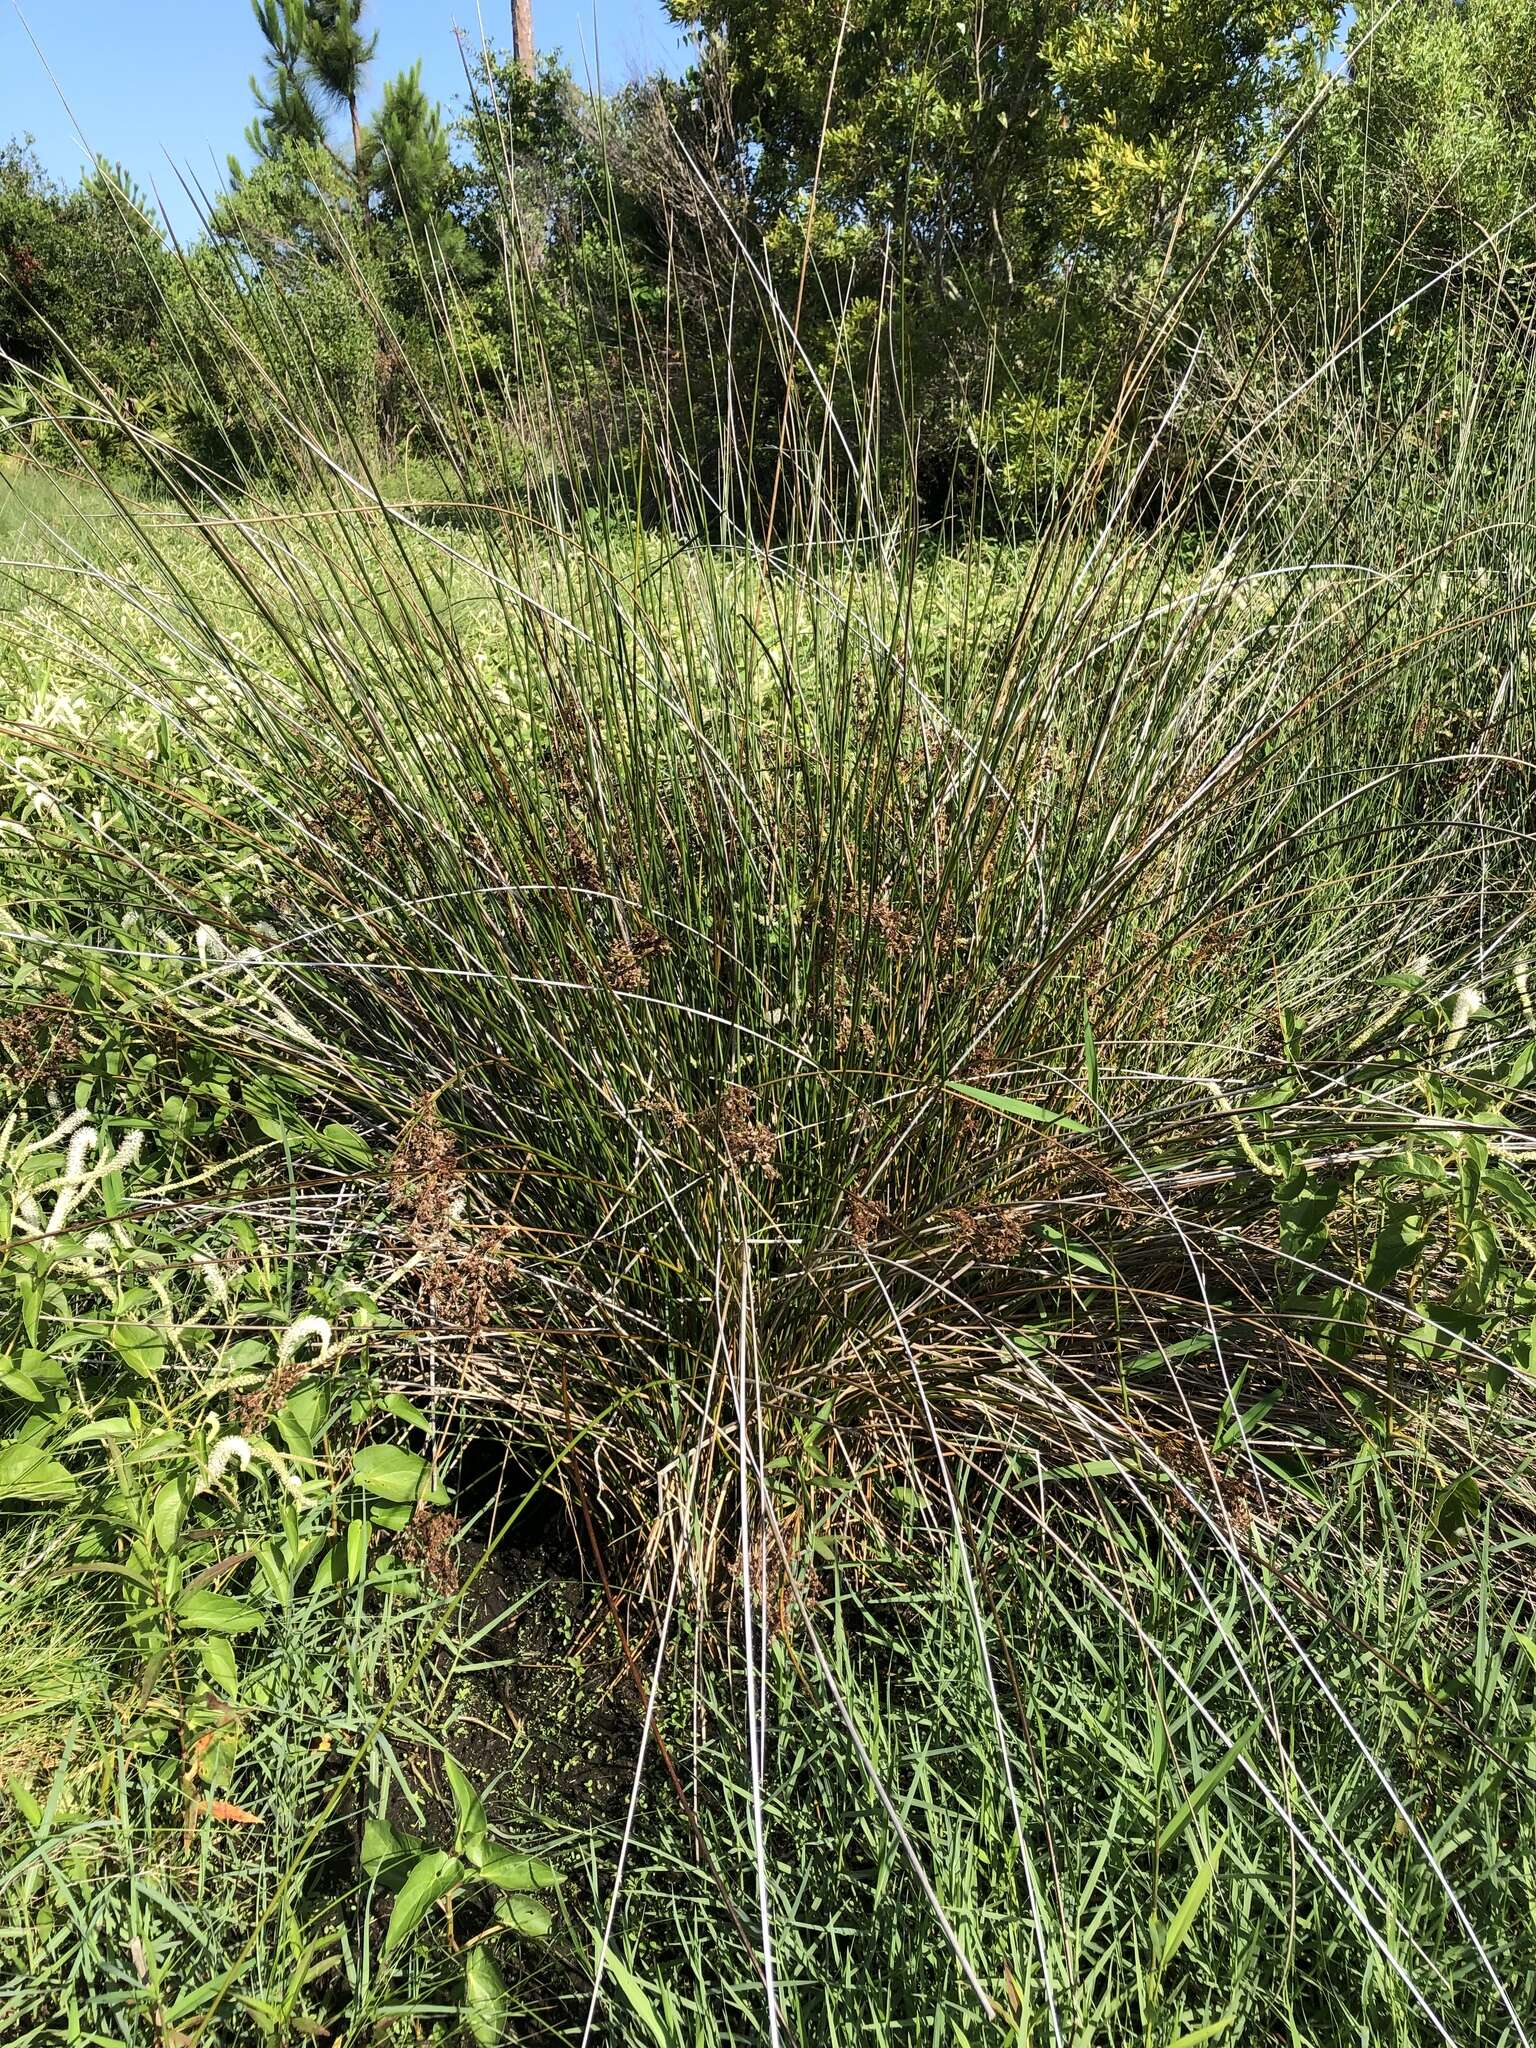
(299, 1333)
(56, 1136)
(1521, 976)
(97, 1253)
(77, 1182)
(126, 1154)
(212, 1277)
(227, 1451)
(1469, 1004)
(81, 1146)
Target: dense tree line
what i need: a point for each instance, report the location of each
(874, 233)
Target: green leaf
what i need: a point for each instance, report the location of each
(637, 1998)
(1211, 2031)
(170, 1508)
(486, 2007)
(515, 1873)
(471, 1812)
(1182, 1347)
(389, 1472)
(28, 1473)
(527, 1916)
(1304, 1216)
(1077, 1253)
(26, 1805)
(1442, 1333)
(404, 1411)
(274, 1572)
(331, 1570)
(1194, 1898)
(309, 1404)
(302, 1418)
(110, 1429)
(1203, 1791)
(221, 1613)
(1398, 1246)
(139, 1347)
(30, 1294)
(1455, 1506)
(345, 1144)
(1010, 1105)
(388, 1855)
(431, 1877)
(1089, 1468)
(219, 1663)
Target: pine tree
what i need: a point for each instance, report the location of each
(113, 187)
(336, 54)
(400, 167)
(406, 153)
(410, 180)
(288, 111)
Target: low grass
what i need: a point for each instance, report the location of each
(1158, 1792)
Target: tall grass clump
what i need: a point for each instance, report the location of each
(981, 1104)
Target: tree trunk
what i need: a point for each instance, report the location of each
(357, 151)
(522, 35)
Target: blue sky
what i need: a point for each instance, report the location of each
(162, 85)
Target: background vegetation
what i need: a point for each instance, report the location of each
(966, 223)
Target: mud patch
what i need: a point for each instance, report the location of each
(529, 1695)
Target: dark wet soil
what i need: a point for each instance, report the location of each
(533, 1699)
(528, 1692)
